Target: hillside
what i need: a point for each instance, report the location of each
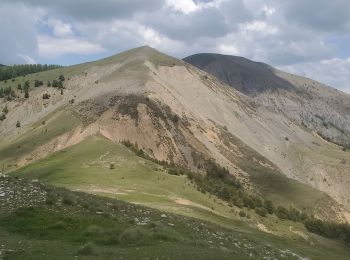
(140, 126)
(307, 102)
(70, 225)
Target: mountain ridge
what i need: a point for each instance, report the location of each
(175, 113)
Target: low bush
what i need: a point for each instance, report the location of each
(134, 236)
(87, 249)
(242, 214)
(68, 200)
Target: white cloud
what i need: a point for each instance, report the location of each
(189, 6)
(185, 6)
(51, 47)
(228, 49)
(257, 26)
(268, 11)
(59, 28)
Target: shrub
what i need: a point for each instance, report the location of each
(68, 201)
(102, 235)
(173, 171)
(46, 96)
(175, 119)
(38, 83)
(87, 249)
(242, 214)
(261, 212)
(111, 166)
(238, 203)
(134, 236)
(5, 110)
(94, 231)
(59, 225)
(282, 212)
(268, 205)
(50, 201)
(159, 231)
(55, 83)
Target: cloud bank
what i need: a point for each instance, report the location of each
(311, 38)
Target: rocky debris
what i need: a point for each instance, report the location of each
(17, 193)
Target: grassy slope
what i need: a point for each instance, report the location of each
(86, 167)
(57, 230)
(55, 125)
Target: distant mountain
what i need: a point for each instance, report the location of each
(247, 76)
(308, 102)
(2, 65)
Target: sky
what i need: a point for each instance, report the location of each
(309, 38)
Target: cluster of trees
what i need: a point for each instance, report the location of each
(7, 92)
(3, 113)
(26, 89)
(219, 182)
(57, 83)
(10, 94)
(38, 83)
(135, 148)
(331, 230)
(9, 72)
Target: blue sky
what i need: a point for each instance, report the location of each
(310, 38)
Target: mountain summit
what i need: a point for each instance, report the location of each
(307, 102)
(247, 76)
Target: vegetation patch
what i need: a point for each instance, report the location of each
(10, 72)
(61, 231)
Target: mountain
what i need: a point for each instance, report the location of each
(153, 130)
(307, 102)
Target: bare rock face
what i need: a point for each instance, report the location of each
(305, 101)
